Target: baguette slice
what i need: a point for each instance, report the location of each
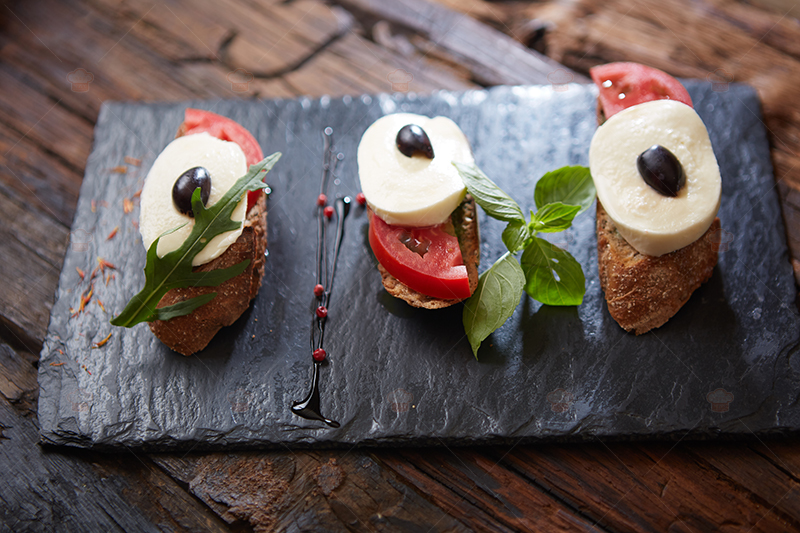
(191, 333)
(465, 222)
(643, 291)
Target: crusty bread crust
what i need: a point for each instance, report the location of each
(643, 291)
(465, 222)
(191, 333)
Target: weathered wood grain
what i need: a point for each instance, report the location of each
(657, 487)
(353, 63)
(766, 473)
(482, 492)
(18, 379)
(32, 177)
(36, 117)
(153, 51)
(331, 491)
(492, 57)
(45, 490)
(32, 242)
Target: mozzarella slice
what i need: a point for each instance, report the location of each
(412, 191)
(652, 223)
(225, 162)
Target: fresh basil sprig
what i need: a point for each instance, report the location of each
(546, 272)
(174, 270)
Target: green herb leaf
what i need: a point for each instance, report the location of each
(174, 270)
(514, 235)
(183, 308)
(494, 301)
(552, 275)
(554, 217)
(213, 278)
(489, 196)
(568, 185)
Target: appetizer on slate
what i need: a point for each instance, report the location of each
(658, 193)
(420, 180)
(423, 227)
(203, 223)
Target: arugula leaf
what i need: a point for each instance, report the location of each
(183, 308)
(494, 301)
(174, 270)
(489, 196)
(552, 275)
(554, 217)
(515, 234)
(568, 185)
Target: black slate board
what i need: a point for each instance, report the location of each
(398, 375)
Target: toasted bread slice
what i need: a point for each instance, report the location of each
(643, 291)
(191, 333)
(465, 222)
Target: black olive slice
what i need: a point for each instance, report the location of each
(412, 139)
(661, 170)
(184, 188)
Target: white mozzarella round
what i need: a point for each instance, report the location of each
(652, 223)
(225, 162)
(412, 191)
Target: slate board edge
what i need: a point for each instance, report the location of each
(171, 446)
(46, 413)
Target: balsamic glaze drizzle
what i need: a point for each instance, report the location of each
(309, 408)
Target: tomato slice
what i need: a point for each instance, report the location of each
(623, 85)
(199, 121)
(435, 269)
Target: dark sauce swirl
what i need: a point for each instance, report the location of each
(309, 407)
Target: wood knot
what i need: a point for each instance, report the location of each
(329, 476)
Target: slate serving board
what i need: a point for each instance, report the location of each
(398, 375)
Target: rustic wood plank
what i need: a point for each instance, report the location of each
(493, 57)
(654, 487)
(783, 454)
(121, 66)
(178, 34)
(36, 179)
(45, 490)
(33, 246)
(286, 37)
(18, 379)
(767, 474)
(314, 491)
(32, 115)
(264, 39)
(353, 65)
(480, 491)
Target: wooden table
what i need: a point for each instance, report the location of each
(141, 50)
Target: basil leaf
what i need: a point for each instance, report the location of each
(568, 185)
(174, 270)
(494, 301)
(552, 275)
(515, 234)
(554, 217)
(182, 308)
(489, 196)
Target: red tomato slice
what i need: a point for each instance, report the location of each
(623, 85)
(199, 121)
(439, 272)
